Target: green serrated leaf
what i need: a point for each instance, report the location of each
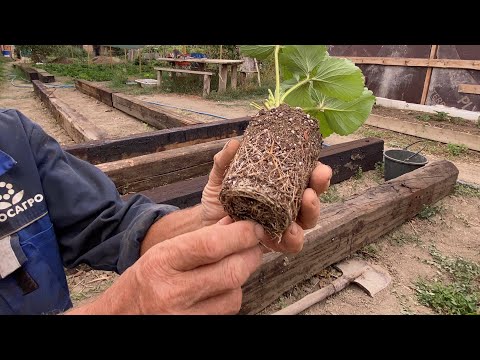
(338, 78)
(260, 52)
(302, 59)
(301, 96)
(339, 116)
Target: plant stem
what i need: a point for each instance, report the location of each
(296, 86)
(277, 76)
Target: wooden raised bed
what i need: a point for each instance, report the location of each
(75, 124)
(345, 228)
(159, 118)
(103, 151)
(96, 91)
(344, 159)
(425, 131)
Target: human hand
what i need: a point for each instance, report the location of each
(200, 272)
(292, 239)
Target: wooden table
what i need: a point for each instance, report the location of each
(223, 65)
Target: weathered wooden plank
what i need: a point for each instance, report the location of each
(345, 159)
(30, 73)
(183, 71)
(183, 194)
(425, 131)
(345, 228)
(469, 89)
(96, 91)
(147, 171)
(103, 151)
(428, 75)
(434, 63)
(45, 77)
(222, 78)
(155, 116)
(75, 124)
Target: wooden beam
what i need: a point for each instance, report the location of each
(428, 75)
(347, 227)
(45, 77)
(182, 194)
(30, 74)
(425, 131)
(162, 168)
(434, 63)
(344, 159)
(75, 124)
(103, 151)
(469, 89)
(96, 91)
(155, 116)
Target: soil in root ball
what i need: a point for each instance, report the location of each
(272, 168)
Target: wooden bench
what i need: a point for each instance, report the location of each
(207, 76)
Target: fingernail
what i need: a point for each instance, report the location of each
(331, 172)
(294, 229)
(259, 231)
(226, 144)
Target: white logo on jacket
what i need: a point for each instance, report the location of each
(12, 200)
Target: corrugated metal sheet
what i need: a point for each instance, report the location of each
(406, 83)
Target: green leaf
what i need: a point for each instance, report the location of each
(260, 52)
(301, 96)
(338, 116)
(338, 78)
(301, 59)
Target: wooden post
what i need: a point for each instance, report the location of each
(140, 59)
(222, 78)
(221, 51)
(258, 72)
(234, 76)
(347, 227)
(206, 85)
(159, 78)
(125, 55)
(426, 85)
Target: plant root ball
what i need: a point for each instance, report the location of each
(271, 169)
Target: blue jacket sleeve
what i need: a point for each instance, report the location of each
(92, 223)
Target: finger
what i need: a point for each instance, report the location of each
(221, 160)
(210, 244)
(225, 220)
(227, 274)
(309, 210)
(227, 303)
(320, 178)
(292, 240)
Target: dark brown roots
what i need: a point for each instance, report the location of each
(271, 170)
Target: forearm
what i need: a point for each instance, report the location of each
(171, 225)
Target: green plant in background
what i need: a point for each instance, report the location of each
(331, 195)
(441, 116)
(423, 117)
(461, 296)
(359, 173)
(332, 90)
(429, 211)
(456, 150)
(466, 191)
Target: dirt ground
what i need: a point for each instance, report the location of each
(230, 110)
(406, 252)
(115, 122)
